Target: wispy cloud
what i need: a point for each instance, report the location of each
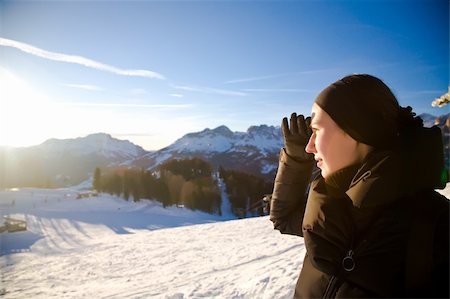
(84, 87)
(210, 90)
(419, 93)
(126, 105)
(278, 90)
(176, 95)
(254, 78)
(77, 60)
(258, 78)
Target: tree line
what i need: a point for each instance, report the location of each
(245, 192)
(187, 182)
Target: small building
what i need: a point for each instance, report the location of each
(86, 194)
(10, 225)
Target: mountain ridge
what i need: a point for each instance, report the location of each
(65, 162)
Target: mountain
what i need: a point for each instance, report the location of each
(63, 162)
(254, 151)
(431, 120)
(100, 144)
(57, 162)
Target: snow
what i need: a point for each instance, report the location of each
(99, 143)
(225, 206)
(211, 143)
(267, 168)
(221, 139)
(105, 247)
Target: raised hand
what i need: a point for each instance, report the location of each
(296, 136)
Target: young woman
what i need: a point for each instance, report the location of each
(372, 224)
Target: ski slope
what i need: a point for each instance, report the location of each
(105, 247)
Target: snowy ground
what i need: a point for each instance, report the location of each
(105, 247)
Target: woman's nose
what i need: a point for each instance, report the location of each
(311, 147)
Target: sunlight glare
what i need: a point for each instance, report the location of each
(24, 112)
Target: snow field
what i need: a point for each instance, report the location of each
(105, 247)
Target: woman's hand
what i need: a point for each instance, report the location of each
(296, 136)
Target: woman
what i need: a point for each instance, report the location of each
(373, 226)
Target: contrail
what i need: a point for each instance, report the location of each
(77, 60)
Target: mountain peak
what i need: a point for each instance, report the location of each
(99, 135)
(97, 143)
(223, 130)
(261, 129)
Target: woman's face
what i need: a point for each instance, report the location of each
(333, 149)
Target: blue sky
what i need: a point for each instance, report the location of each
(152, 71)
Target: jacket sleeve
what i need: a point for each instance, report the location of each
(289, 194)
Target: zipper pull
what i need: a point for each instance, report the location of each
(348, 263)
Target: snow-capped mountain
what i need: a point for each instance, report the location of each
(255, 151)
(101, 144)
(62, 162)
(221, 139)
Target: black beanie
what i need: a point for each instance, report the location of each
(364, 107)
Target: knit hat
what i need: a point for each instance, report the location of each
(364, 107)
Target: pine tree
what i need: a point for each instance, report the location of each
(96, 184)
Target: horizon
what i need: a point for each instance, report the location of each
(207, 128)
(151, 72)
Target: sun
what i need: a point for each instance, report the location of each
(23, 111)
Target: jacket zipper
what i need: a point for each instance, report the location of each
(332, 287)
(347, 265)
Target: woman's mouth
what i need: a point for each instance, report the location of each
(319, 162)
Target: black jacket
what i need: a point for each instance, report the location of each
(359, 226)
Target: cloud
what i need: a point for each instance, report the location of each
(418, 94)
(278, 90)
(127, 105)
(84, 87)
(258, 78)
(210, 90)
(176, 95)
(254, 78)
(77, 60)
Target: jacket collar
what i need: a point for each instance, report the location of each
(377, 182)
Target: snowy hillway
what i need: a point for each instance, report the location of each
(105, 247)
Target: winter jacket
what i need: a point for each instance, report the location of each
(358, 227)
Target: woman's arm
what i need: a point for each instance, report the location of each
(289, 194)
